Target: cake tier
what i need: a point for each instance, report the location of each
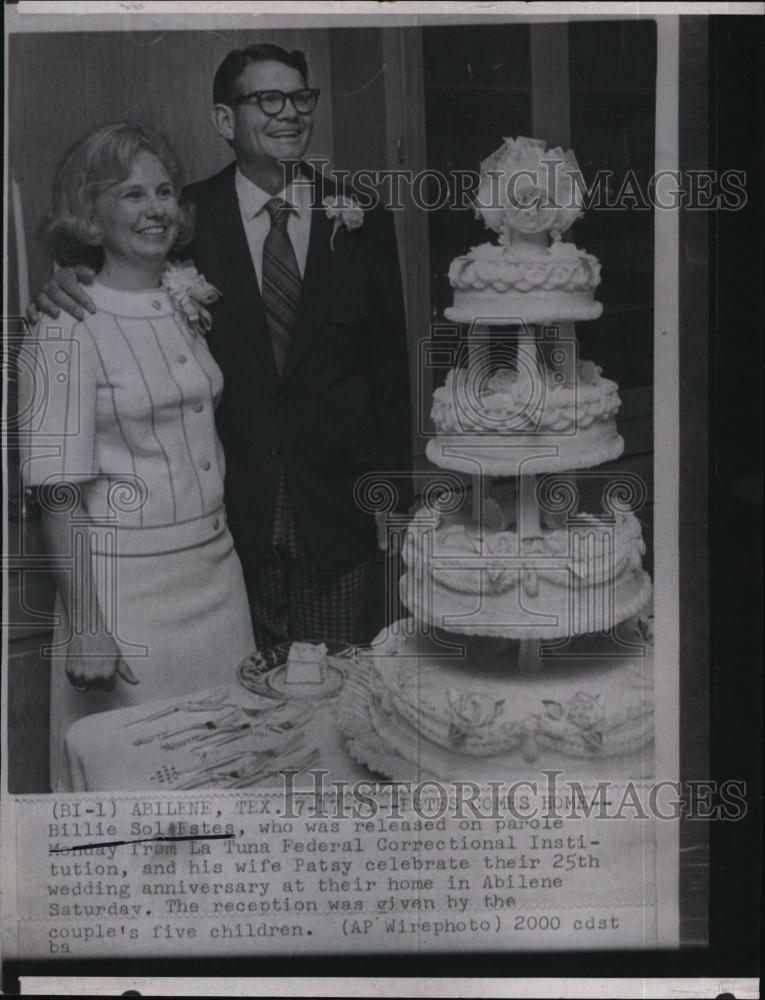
(516, 454)
(535, 608)
(544, 285)
(507, 308)
(461, 557)
(465, 710)
(509, 402)
(494, 425)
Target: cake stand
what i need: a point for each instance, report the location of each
(528, 615)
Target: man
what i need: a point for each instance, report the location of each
(310, 335)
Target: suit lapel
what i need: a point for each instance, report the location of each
(325, 268)
(228, 266)
(225, 258)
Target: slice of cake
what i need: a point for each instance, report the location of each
(306, 663)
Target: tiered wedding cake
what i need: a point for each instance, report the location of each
(528, 641)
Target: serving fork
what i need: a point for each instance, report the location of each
(214, 702)
(258, 760)
(208, 724)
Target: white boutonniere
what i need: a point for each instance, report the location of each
(345, 211)
(190, 293)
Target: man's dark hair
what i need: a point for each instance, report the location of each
(225, 88)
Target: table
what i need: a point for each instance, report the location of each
(224, 737)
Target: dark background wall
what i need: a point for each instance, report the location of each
(484, 84)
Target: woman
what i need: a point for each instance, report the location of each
(122, 445)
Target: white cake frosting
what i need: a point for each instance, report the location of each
(463, 698)
(581, 578)
(525, 422)
(492, 582)
(529, 195)
(506, 402)
(524, 282)
(462, 557)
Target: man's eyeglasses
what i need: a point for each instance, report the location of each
(271, 102)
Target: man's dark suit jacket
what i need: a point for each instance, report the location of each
(341, 407)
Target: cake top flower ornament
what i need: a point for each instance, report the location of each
(526, 188)
(190, 293)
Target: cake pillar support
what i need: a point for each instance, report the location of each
(478, 357)
(529, 526)
(478, 349)
(476, 505)
(528, 358)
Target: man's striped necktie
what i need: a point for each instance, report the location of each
(281, 281)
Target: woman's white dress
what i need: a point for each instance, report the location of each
(122, 405)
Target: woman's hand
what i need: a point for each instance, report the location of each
(95, 662)
(64, 291)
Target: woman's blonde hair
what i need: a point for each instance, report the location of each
(97, 161)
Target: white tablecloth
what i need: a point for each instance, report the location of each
(115, 751)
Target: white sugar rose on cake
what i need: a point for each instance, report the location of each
(529, 196)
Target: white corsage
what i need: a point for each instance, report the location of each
(345, 211)
(190, 293)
